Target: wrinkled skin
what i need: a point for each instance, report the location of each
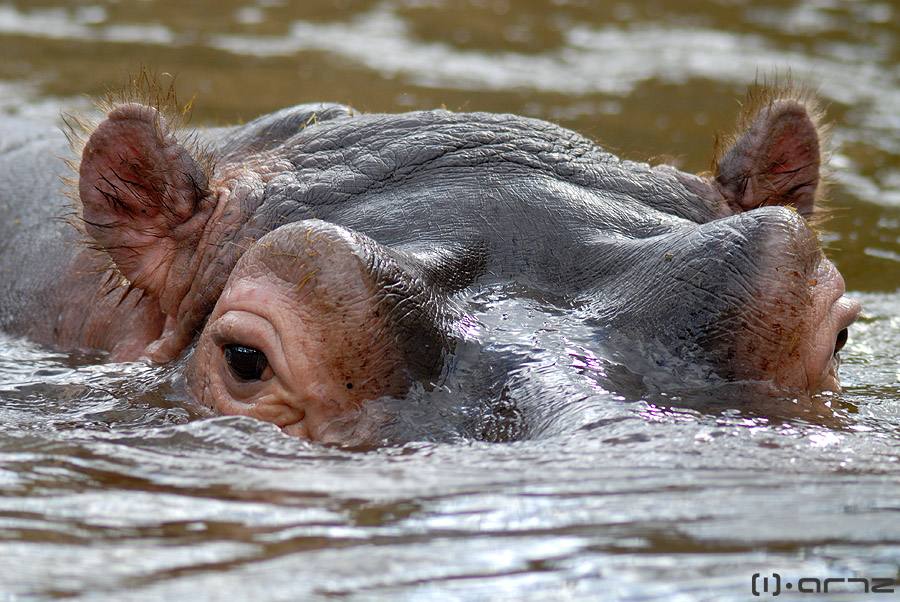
(315, 260)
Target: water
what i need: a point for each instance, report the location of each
(112, 489)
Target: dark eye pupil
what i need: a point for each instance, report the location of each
(246, 363)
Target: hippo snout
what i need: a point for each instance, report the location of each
(801, 300)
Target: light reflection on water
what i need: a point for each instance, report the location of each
(102, 473)
(113, 489)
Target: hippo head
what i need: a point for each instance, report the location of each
(314, 264)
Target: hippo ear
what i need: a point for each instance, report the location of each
(142, 194)
(775, 161)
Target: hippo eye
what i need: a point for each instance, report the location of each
(841, 340)
(246, 363)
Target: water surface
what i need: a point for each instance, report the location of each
(112, 489)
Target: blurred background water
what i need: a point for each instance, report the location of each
(112, 490)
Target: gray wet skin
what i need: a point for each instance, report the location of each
(314, 259)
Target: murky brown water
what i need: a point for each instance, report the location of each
(110, 490)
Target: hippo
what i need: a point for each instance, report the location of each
(306, 264)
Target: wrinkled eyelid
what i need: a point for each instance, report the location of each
(231, 337)
(240, 327)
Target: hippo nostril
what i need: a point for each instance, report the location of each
(841, 340)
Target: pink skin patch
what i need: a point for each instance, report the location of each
(303, 299)
(837, 313)
(793, 331)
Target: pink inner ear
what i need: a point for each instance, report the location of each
(795, 163)
(792, 151)
(138, 184)
(775, 162)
